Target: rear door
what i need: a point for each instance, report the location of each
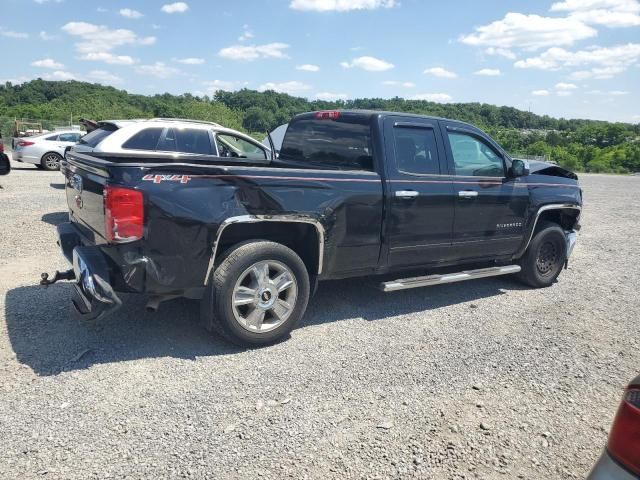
(420, 203)
(489, 206)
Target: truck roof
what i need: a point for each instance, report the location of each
(382, 113)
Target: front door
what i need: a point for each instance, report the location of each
(420, 202)
(490, 207)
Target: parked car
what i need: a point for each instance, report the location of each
(47, 150)
(621, 458)
(183, 209)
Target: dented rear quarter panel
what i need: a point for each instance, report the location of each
(185, 206)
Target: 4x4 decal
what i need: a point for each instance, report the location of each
(167, 178)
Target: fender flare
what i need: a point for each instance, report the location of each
(267, 218)
(542, 209)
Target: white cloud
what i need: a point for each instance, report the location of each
(502, 52)
(60, 75)
(565, 86)
(614, 93)
(215, 85)
(254, 52)
(540, 93)
(601, 62)
(104, 77)
(307, 67)
(157, 69)
(190, 61)
(517, 30)
(46, 36)
(97, 41)
(130, 13)
(394, 83)
(370, 64)
(440, 72)
(340, 5)
(177, 7)
(433, 97)
(40, 2)
(292, 88)
(610, 13)
(597, 73)
(247, 34)
(47, 63)
(331, 97)
(109, 58)
(13, 34)
(488, 72)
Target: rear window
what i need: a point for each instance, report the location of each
(186, 140)
(92, 139)
(146, 139)
(343, 144)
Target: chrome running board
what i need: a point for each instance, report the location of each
(430, 280)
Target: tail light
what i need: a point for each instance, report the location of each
(624, 439)
(25, 143)
(328, 115)
(123, 214)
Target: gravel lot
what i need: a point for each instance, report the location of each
(484, 379)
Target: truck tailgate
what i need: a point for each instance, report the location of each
(84, 186)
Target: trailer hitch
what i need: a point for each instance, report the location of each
(68, 275)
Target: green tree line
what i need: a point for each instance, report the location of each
(581, 145)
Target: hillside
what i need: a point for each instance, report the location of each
(583, 145)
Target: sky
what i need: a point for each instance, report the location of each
(565, 58)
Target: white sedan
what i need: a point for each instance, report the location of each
(46, 150)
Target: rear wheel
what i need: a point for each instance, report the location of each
(544, 259)
(51, 161)
(257, 293)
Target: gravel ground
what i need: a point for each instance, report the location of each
(484, 379)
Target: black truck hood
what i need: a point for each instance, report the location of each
(545, 168)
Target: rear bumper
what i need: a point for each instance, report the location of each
(608, 469)
(93, 296)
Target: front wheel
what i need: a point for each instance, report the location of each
(51, 161)
(544, 259)
(257, 294)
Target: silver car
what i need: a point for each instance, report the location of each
(166, 137)
(45, 151)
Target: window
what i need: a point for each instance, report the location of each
(232, 146)
(146, 139)
(186, 140)
(343, 143)
(416, 150)
(52, 138)
(474, 158)
(69, 137)
(92, 139)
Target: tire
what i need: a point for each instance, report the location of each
(257, 294)
(50, 161)
(545, 257)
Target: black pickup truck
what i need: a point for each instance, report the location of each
(349, 194)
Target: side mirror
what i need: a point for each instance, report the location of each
(519, 168)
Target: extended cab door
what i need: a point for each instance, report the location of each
(489, 206)
(420, 205)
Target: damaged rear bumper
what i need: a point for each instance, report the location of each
(93, 295)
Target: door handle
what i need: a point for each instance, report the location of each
(406, 194)
(467, 194)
